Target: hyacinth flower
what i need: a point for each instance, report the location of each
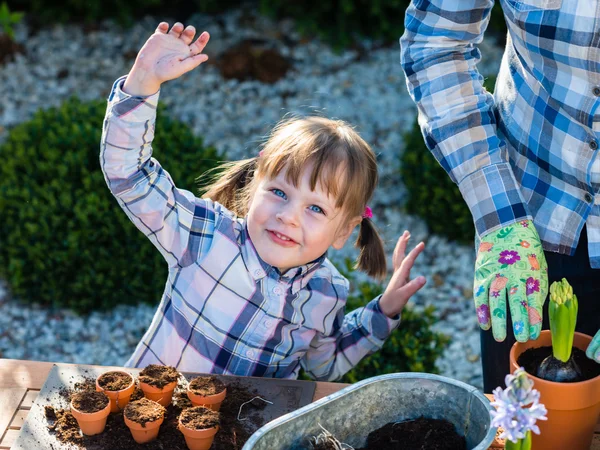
(562, 310)
(518, 408)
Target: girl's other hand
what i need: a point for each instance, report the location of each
(166, 55)
(401, 288)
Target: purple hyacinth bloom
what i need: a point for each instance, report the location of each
(508, 257)
(518, 407)
(532, 285)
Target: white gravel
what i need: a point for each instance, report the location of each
(368, 92)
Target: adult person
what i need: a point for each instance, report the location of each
(525, 160)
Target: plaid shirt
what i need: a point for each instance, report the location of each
(531, 150)
(224, 310)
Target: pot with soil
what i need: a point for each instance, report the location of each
(568, 382)
(199, 426)
(158, 383)
(118, 385)
(207, 391)
(144, 417)
(90, 409)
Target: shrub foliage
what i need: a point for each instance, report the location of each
(64, 240)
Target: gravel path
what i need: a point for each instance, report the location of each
(366, 90)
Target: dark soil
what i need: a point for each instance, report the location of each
(143, 411)
(232, 435)
(89, 401)
(206, 386)
(199, 418)
(531, 359)
(114, 381)
(417, 434)
(252, 59)
(158, 376)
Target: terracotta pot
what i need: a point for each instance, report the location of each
(210, 401)
(91, 423)
(198, 439)
(142, 434)
(160, 395)
(573, 408)
(118, 399)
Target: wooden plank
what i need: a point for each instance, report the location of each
(18, 420)
(10, 399)
(9, 439)
(323, 389)
(595, 442)
(30, 397)
(15, 373)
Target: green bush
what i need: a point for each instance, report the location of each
(412, 347)
(432, 195)
(341, 22)
(124, 11)
(64, 241)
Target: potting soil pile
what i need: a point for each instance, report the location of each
(232, 435)
(417, 434)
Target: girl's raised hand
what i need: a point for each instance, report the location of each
(401, 288)
(166, 55)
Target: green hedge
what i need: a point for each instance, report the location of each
(64, 241)
(432, 195)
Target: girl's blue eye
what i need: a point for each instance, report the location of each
(317, 209)
(278, 193)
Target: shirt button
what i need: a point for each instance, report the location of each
(268, 323)
(250, 353)
(588, 197)
(277, 290)
(596, 91)
(593, 144)
(257, 273)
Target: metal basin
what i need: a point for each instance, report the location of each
(353, 412)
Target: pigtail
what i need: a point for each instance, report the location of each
(371, 259)
(228, 185)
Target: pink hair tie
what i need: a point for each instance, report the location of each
(368, 213)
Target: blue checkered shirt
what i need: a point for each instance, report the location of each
(224, 310)
(530, 151)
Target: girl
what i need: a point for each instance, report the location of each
(250, 290)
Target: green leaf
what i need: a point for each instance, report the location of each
(505, 232)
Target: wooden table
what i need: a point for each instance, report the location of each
(21, 381)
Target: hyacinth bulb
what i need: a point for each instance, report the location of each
(562, 310)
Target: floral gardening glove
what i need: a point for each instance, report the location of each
(593, 350)
(511, 263)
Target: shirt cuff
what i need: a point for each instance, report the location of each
(494, 198)
(382, 325)
(131, 108)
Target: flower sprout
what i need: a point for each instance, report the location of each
(517, 407)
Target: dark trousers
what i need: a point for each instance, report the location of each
(586, 285)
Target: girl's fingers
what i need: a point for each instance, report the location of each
(162, 28)
(176, 30)
(411, 288)
(408, 262)
(192, 62)
(188, 34)
(400, 250)
(200, 43)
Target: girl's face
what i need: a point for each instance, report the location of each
(291, 226)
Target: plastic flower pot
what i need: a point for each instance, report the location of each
(160, 395)
(147, 431)
(573, 408)
(120, 398)
(197, 439)
(91, 423)
(210, 401)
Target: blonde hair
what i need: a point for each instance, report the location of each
(331, 145)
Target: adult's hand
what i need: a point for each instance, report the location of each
(511, 265)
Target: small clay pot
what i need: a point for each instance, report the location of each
(119, 398)
(91, 423)
(197, 439)
(212, 401)
(151, 385)
(146, 431)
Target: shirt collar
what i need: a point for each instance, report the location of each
(298, 276)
